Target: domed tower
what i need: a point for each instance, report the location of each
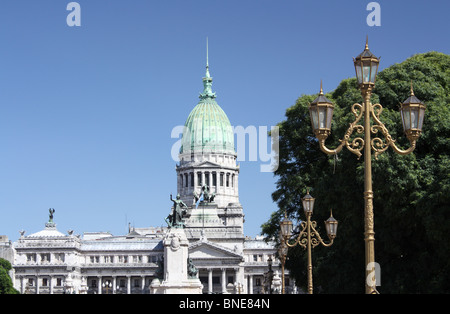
(207, 172)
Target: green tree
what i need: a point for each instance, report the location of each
(411, 193)
(6, 286)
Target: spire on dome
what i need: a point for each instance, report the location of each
(207, 80)
(207, 59)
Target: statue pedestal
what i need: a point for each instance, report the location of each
(205, 215)
(176, 278)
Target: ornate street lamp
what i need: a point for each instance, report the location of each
(285, 233)
(321, 111)
(107, 286)
(286, 227)
(308, 203)
(412, 112)
(366, 66)
(331, 225)
(268, 277)
(308, 237)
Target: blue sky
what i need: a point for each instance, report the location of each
(86, 113)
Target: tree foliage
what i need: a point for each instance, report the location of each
(6, 286)
(411, 193)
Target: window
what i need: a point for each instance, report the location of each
(31, 257)
(207, 178)
(199, 179)
(45, 257)
(228, 179)
(44, 282)
(186, 180)
(192, 179)
(58, 282)
(59, 257)
(221, 179)
(94, 283)
(136, 283)
(214, 179)
(95, 259)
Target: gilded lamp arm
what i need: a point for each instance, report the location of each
(301, 239)
(355, 145)
(378, 145)
(319, 238)
(328, 151)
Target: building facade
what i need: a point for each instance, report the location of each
(51, 262)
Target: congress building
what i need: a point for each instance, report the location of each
(52, 262)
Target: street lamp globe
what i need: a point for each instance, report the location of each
(308, 203)
(286, 227)
(366, 66)
(321, 111)
(413, 113)
(331, 225)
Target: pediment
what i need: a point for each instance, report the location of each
(207, 164)
(209, 250)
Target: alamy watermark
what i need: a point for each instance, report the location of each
(74, 17)
(374, 17)
(258, 147)
(373, 278)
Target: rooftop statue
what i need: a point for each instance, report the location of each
(51, 212)
(175, 219)
(192, 270)
(208, 197)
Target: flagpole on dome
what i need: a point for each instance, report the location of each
(207, 59)
(207, 80)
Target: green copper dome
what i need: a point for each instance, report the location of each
(207, 128)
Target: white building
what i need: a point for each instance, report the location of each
(228, 262)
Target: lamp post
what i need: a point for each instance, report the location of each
(107, 286)
(268, 277)
(309, 237)
(282, 253)
(412, 112)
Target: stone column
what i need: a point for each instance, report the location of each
(210, 180)
(195, 180)
(238, 280)
(21, 285)
(37, 284)
(114, 283)
(143, 284)
(224, 280)
(99, 288)
(250, 284)
(128, 284)
(210, 281)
